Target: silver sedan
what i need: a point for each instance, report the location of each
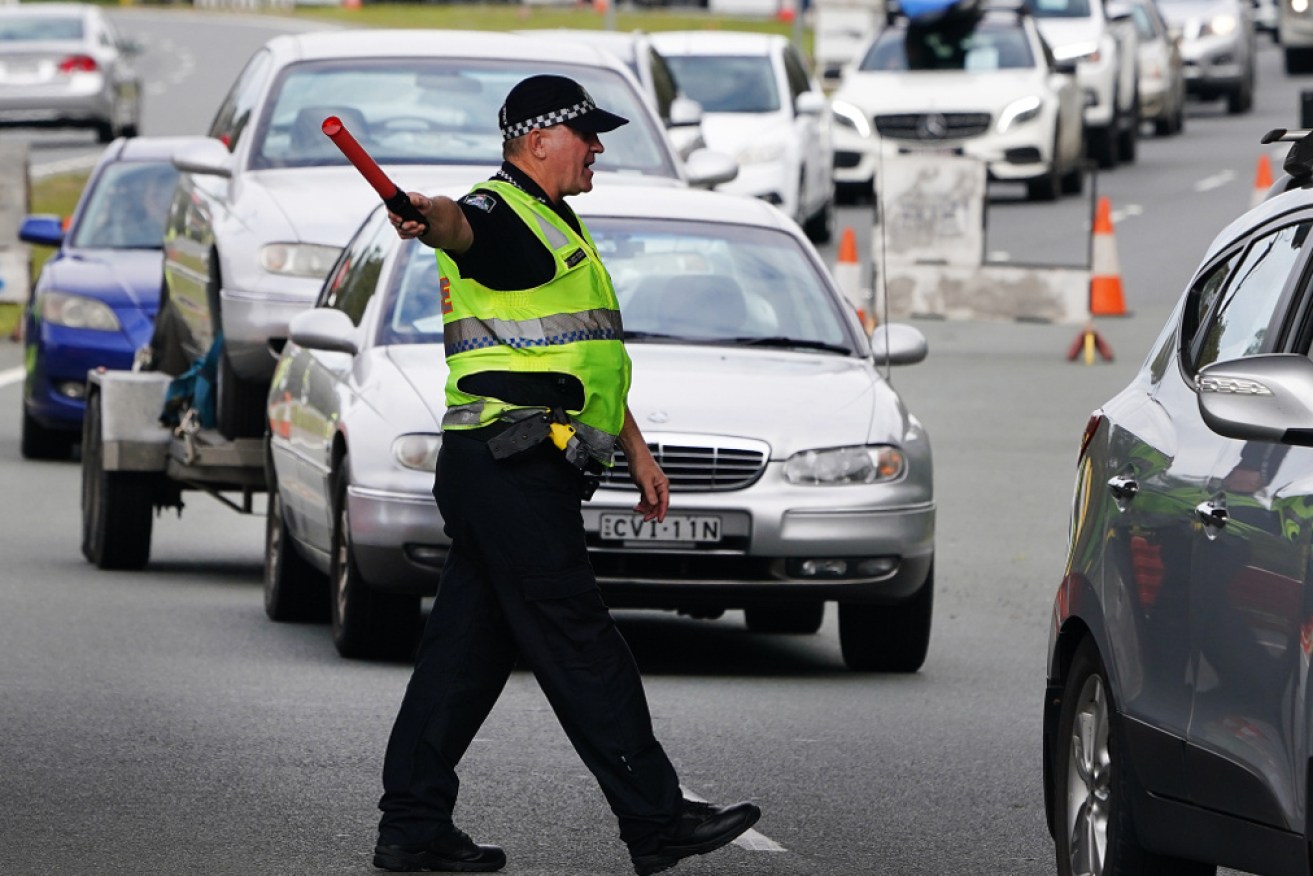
(64, 65)
(798, 475)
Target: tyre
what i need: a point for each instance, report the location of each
(1048, 186)
(240, 405)
(820, 227)
(38, 442)
(366, 623)
(293, 589)
(1101, 146)
(1241, 98)
(1073, 181)
(117, 507)
(1128, 137)
(888, 638)
(1093, 786)
(802, 618)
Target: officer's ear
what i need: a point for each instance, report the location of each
(536, 140)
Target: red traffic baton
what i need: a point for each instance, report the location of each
(397, 201)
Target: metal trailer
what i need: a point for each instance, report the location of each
(133, 466)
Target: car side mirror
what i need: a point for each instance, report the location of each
(1118, 12)
(898, 344)
(809, 103)
(1259, 398)
(685, 112)
(43, 229)
(204, 155)
(1065, 68)
(707, 168)
(323, 328)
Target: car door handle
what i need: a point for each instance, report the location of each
(1211, 514)
(1123, 488)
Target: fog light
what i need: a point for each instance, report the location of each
(72, 389)
(876, 567)
(832, 568)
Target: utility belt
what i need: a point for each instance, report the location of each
(508, 439)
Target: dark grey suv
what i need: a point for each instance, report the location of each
(1178, 720)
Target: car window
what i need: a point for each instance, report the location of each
(31, 28)
(1237, 323)
(663, 83)
(986, 47)
(796, 73)
(355, 276)
(1059, 8)
(698, 281)
(235, 112)
(414, 313)
(127, 206)
(432, 111)
(1144, 28)
(728, 83)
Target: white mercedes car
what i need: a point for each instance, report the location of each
(988, 89)
(798, 475)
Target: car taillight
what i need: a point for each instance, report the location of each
(1090, 428)
(78, 64)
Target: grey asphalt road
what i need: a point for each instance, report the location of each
(157, 723)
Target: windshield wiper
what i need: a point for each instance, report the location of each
(783, 341)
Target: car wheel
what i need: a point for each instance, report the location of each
(1094, 786)
(293, 589)
(1046, 187)
(240, 405)
(38, 442)
(1241, 98)
(116, 505)
(888, 638)
(801, 618)
(105, 131)
(1101, 146)
(820, 227)
(1128, 136)
(1073, 181)
(365, 622)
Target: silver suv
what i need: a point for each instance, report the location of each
(1177, 728)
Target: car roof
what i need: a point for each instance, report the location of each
(352, 43)
(680, 205)
(716, 42)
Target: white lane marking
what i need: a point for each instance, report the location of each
(750, 839)
(1126, 212)
(13, 375)
(1216, 181)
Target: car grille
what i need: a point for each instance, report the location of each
(700, 464)
(932, 126)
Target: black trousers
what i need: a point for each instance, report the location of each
(518, 583)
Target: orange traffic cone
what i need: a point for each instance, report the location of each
(848, 274)
(1262, 180)
(1105, 270)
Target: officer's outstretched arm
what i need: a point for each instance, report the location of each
(447, 229)
(644, 472)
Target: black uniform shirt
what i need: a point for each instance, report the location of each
(506, 255)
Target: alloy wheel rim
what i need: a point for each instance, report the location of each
(1089, 779)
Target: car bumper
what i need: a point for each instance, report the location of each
(1155, 99)
(59, 359)
(1012, 157)
(1212, 66)
(398, 540)
(771, 181)
(255, 324)
(82, 99)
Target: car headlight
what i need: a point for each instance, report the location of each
(298, 259)
(845, 465)
(1299, 6)
(1019, 112)
(418, 452)
(77, 311)
(760, 153)
(1219, 25)
(1078, 52)
(852, 117)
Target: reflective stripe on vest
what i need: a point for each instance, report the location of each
(563, 328)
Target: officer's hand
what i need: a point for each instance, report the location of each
(653, 484)
(408, 229)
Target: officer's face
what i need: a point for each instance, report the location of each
(571, 155)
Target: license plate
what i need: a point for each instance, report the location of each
(698, 528)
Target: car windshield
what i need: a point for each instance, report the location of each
(433, 111)
(1059, 8)
(31, 29)
(127, 207)
(727, 84)
(982, 48)
(677, 282)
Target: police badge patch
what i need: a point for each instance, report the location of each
(480, 201)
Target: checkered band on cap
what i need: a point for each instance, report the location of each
(547, 120)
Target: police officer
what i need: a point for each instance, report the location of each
(538, 377)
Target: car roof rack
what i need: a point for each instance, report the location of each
(1299, 160)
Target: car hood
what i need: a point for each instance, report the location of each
(732, 132)
(927, 92)
(326, 204)
(1178, 12)
(119, 277)
(737, 394)
(1059, 32)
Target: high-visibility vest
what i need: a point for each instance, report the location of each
(570, 324)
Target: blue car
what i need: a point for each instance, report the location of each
(94, 303)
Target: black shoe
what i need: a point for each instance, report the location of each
(451, 853)
(700, 828)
